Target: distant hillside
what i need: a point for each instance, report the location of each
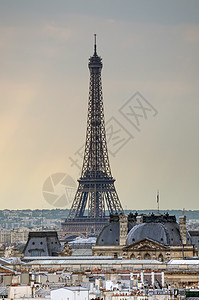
(62, 213)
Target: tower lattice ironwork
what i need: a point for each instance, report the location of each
(96, 192)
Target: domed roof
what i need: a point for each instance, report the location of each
(167, 233)
(153, 231)
(110, 234)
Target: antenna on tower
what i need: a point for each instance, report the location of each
(95, 44)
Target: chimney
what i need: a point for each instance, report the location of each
(182, 221)
(139, 219)
(123, 221)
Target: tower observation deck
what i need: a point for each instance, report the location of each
(96, 193)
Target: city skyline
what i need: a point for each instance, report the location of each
(146, 48)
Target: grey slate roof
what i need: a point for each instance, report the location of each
(81, 252)
(167, 233)
(109, 235)
(3, 291)
(195, 237)
(155, 231)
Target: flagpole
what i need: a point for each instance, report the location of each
(158, 201)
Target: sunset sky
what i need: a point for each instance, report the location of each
(150, 47)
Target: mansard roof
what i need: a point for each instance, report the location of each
(42, 243)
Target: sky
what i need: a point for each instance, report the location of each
(150, 59)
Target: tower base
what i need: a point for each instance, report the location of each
(82, 227)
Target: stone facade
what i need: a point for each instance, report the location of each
(114, 251)
(182, 221)
(181, 278)
(123, 221)
(148, 249)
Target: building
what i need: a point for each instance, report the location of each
(177, 273)
(42, 243)
(157, 237)
(20, 292)
(14, 236)
(70, 293)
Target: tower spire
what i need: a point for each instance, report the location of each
(95, 44)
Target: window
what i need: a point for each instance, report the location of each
(147, 256)
(36, 253)
(132, 256)
(160, 257)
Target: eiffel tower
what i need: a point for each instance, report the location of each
(96, 191)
